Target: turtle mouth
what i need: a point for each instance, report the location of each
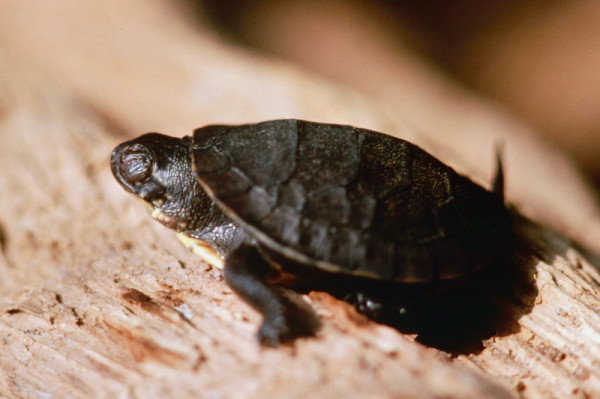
(160, 216)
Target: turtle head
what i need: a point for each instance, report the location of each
(157, 170)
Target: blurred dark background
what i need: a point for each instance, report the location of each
(539, 59)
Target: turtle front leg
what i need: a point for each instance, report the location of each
(285, 315)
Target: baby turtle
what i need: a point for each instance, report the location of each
(292, 206)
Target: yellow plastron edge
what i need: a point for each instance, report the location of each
(202, 249)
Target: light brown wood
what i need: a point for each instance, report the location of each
(97, 300)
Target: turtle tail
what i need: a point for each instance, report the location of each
(498, 184)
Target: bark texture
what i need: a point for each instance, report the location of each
(97, 300)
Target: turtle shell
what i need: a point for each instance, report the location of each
(349, 200)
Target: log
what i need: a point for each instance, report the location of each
(97, 300)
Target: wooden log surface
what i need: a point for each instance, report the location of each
(97, 300)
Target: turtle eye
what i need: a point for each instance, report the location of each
(136, 164)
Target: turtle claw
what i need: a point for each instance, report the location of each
(298, 320)
(365, 304)
(273, 332)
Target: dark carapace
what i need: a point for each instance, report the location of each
(290, 205)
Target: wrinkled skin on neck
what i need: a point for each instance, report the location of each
(157, 170)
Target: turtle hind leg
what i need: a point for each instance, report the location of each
(285, 315)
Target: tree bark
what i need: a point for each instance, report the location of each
(97, 300)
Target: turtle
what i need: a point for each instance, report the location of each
(290, 206)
